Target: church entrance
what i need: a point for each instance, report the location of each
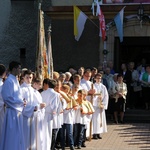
(131, 49)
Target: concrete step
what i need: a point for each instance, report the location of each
(137, 115)
(134, 116)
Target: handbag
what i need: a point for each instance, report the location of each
(137, 87)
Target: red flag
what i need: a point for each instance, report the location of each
(101, 22)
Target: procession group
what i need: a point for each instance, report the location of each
(63, 111)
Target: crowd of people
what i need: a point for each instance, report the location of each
(68, 109)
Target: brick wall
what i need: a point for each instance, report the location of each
(21, 32)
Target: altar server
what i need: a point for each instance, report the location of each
(100, 104)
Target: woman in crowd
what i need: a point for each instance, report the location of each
(119, 97)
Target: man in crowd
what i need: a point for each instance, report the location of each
(13, 123)
(2, 75)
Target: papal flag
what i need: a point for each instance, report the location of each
(79, 22)
(41, 58)
(119, 23)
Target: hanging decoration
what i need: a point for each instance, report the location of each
(105, 52)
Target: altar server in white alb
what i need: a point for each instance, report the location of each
(12, 134)
(81, 119)
(68, 118)
(51, 98)
(28, 112)
(87, 85)
(39, 114)
(57, 118)
(2, 75)
(63, 105)
(100, 104)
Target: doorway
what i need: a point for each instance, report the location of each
(131, 49)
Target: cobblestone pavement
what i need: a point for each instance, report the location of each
(131, 136)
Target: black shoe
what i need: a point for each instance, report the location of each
(122, 122)
(99, 137)
(116, 122)
(95, 136)
(83, 145)
(78, 147)
(58, 146)
(72, 147)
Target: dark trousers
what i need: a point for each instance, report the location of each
(78, 133)
(54, 137)
(67, 133)
(60, 138)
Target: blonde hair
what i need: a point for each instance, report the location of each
(83, 92)
(56, 75)
(65, 86)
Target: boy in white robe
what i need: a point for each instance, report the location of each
(82, 111)
(76, 81)
(57, 120)
(2, 75)
(100, 104)
(63, 105)
(12, 135)
(28, 112)
(38, 115)
(87, 85)
(51, 98)
(68, 119)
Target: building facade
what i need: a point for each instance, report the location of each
(135, 45)
(19, 38)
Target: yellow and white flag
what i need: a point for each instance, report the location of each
(79, 22)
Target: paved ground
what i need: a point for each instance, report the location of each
(131, 136)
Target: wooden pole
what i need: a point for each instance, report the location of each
(50, 57)
(90, 138)
(38, 33)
